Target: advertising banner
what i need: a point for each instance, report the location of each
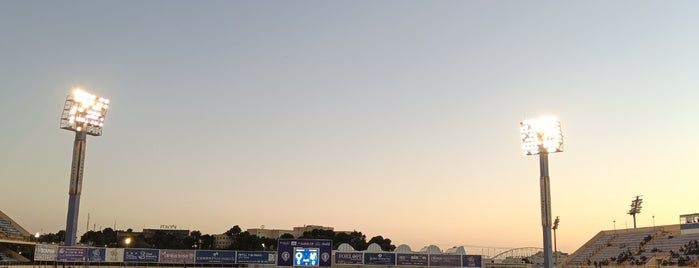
(288, 249)
(412, 259)
(213, 256)
(45, 252)
(71, 254)
(379, 258)
(96, 254)
(114, 255)
(445, 260)
(141, 255)
(255, 257)
(349, 258)
(472, 261)
(176, 256)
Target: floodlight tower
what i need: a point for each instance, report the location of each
(636, 209)
(84, 114)
(543, 136)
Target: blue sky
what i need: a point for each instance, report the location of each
(394, 118)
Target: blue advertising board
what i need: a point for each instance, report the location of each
(255, 257)
(379, 258)
(445, 260)
(71, 254)
(287, 250)
(214, 256)
(349, 258)
(412, 259)
(472, 261)
(141, 255)
(96, 254)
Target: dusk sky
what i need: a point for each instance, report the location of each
(393, 118)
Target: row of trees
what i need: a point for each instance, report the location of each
(162, 239)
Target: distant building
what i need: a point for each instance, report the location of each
(222, 241)
(298, 231)
(269, 233)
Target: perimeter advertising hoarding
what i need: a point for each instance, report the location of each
(176, 256)
(255, 257)
(349, 258)
(411, 259)
(445, 260)
(45, 252)
(141, 255)
(96, 254)
(471, 261)
(71, 254)
(114, 255)
(214, 256)
(380, 258)
(287, 249)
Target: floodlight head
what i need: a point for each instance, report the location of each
(84, 112)
(541, 135)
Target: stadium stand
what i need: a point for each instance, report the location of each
(10, 229)
(662, 245)
(6, 258)
(12, 235)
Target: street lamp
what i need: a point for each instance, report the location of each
(127, 241)
(543, 136)
(555, 247)
(84, 114)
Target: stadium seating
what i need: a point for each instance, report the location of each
(644, 246)
(8, 229)
(6, 258)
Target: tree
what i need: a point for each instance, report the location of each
(233, 231)
(207, 241)
(385, 243)
(287, 236)
(58, 237)
(246, 241)
(318, 234)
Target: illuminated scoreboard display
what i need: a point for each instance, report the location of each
(304, 252)
(306, 256)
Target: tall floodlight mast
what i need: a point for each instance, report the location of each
(84, 114)
(543, 136)
(636, 208)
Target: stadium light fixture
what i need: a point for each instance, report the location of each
(83, 113)
(636, 209)
(542, 136)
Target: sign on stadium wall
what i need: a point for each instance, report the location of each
(71, 254)
(304, 252)
(44, 252)
(349, 258)
(96, 254)
(142, 255)
(445, 260)
(471, 261)
(214, 257)
(255, 257)
(413, 259)
(380, 258)
(114, 255)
